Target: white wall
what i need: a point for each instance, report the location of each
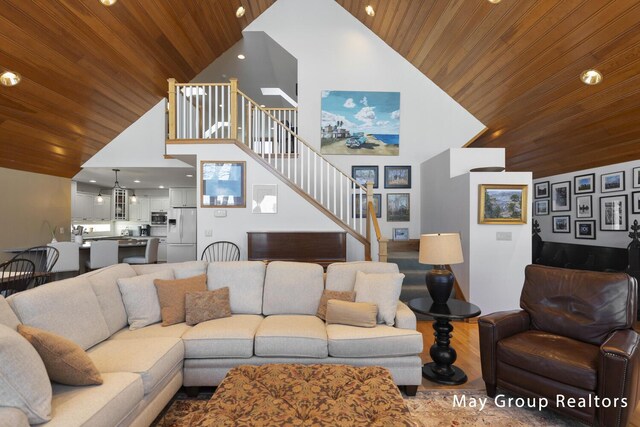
(294, 213)
(618, 239)
(335, 51)
(493, 270)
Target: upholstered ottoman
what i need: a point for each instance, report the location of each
(318, 395)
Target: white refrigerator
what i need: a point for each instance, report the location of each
(181, 235)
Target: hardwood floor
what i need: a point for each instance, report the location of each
(465, 341)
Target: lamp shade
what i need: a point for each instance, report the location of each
(440, 249)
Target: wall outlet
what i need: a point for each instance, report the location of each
(503, 235)
(208, 233)
(220, 213)
(61, 230)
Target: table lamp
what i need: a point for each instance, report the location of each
(438, 250)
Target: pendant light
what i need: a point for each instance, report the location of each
(100, 199)
(133, 197)
(116, 184)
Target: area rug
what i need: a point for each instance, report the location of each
(429, 408)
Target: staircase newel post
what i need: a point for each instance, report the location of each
(233, 116)
(382, 249)
(172, 108)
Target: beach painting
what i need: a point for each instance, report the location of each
(358, 122)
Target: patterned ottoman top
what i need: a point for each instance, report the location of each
(307, 395)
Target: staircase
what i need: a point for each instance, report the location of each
(199, 113)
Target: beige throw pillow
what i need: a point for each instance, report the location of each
(361, 314)
(207, 305)
(66, 362)
(171, 294)
(140, 298)
(382, 290)
(327, 295)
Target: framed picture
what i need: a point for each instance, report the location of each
(398, 207)
(583, 207)
(502, 204)
(264, 199)
(613, 213)
(541, 190)
(397, 177)
(541, 207)
(561, 224)
(584, 183)
(223, 184)
(400, 234)
(561, 196)
(585, 229)
(636, 177)
(361, 200)
(635, 202)
(610, 182)
(364, 174)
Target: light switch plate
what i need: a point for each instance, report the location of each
(503, 235)
(61, 231)
(208, 233)
(220, 213)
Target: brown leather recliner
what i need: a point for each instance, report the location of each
(573, 338)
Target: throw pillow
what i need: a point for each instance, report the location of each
(171, 295)
(327, 295)
(24, 383)
(66, 362)
(382, 290)
(141, 299)
(207, 305)
(361, 314)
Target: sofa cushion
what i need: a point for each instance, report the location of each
(292, 288)
(207, 305)
(105, 405)
(228, 337)
(7, 316)
(13, 417)
(152, 358)
(171, 296)
(24, 383)
(291, 336)
(65, 361)
(327, 295)
(381, 289)
(68, 308)
(141, 299)
(362, 314)
(380, 341)
(245, 280)
(152, 331)
(105, 285)
(341, 276)
(186, 268)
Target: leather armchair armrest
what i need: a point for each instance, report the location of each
(492, 328)
(405, 317)
(618, 372)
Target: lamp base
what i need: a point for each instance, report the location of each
(439, 283)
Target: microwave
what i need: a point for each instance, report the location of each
(158, 218)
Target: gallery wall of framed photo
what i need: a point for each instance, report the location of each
(589, 207)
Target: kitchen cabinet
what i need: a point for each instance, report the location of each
(120, 204)
(183, 197)
(83, 207)
(139, 211)
(162, 250)
(158, 204)
(102, 211)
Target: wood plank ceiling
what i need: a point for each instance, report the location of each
(89, 71)
(515, 65)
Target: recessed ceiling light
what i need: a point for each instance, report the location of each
(240, 12)
(160, 186)
(261, 105)
(189, 175)
(108, 2)
(241, 56)
(10, 78)
(92, 180)
(495, 1)
(591, 77)
(137, 181)
(369, 10)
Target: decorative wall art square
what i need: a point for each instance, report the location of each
(364, 174)
(635, 202)
(541, 207)
(400, 234)
(360, 208)
(613, 213)
(398, 207)
(561, 196)
(502, 204)
(561, 224)
(397, 177)
(264, 199)
(541, 190)
(356, 122)
(223, 184)
(584, 183)
(612, 182)
(585, 229)
(584, 207)
(636, 177)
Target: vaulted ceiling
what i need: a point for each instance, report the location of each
(89, 71)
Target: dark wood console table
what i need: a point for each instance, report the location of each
(319, 247)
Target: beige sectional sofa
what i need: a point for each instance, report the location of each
(273, 321)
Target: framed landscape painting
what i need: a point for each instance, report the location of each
(635, 202)
(361, 200)
(583, 207)
(613, 213)
(584, 183)
(541, 207)
(400, 234)
(364, 174)
(636, 177)
(585, 229)
(541, 190)
(502, 204)
(561, 196)
(223, 184)
(397, 177)
(357, 122)
(398, 207)
(610, 182)
(561, 224)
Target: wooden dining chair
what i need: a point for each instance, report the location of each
(15, 276)
(221, 251)
(44, 258)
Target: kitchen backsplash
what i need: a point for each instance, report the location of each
(132, 226)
